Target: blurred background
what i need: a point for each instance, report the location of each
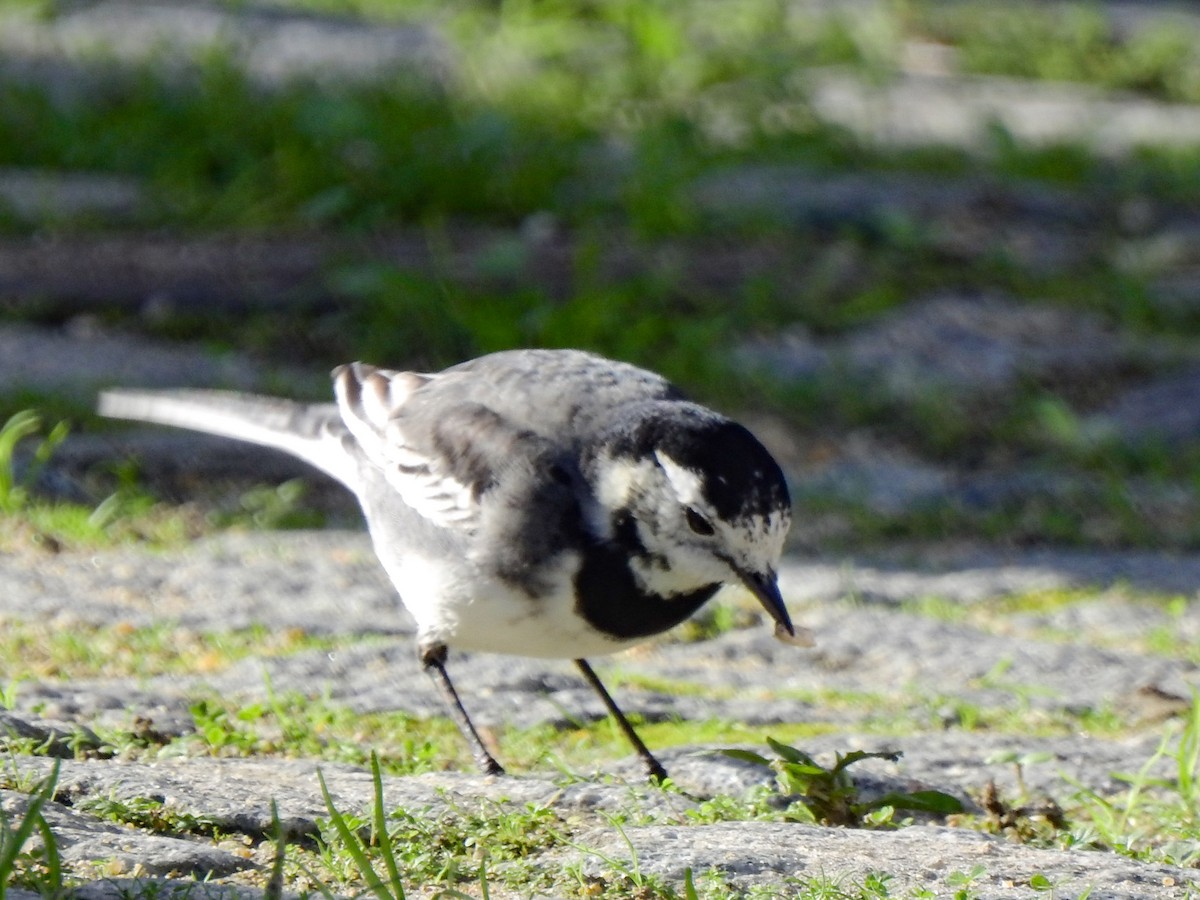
(942, 255)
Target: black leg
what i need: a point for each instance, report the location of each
(653, 766)
(434, 660)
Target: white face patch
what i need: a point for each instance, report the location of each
(687, 484)
(617, 479)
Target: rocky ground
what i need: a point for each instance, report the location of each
(915, 644)
(867, 640)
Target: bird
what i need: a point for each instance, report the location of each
(546, 503)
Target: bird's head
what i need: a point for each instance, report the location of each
(695, 500)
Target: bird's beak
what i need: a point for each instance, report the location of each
(765, 587)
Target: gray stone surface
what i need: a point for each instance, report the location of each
(156, 276)
(43, 196)
(871, 642)
(127, 887)
(934, 858)
(981, 343)
(921, 109)
(235, 794)
(319, 581)
(972, 573)
(1044, 229)
(83, 838)
(960, 345)
(83, 356)
(1164, 410)
(271, 43)
(807, 196)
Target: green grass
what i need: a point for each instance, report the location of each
(1161, 634)
(1069, 42)
(151, 814)
(36, 867)
(469, 847)
(15, 488)
(1153, 819)
(425, 847)
(509, 136)
(36, 649)
(675, 94)
(128, 513)
(493, 847)
(489, 846)
(827, 795)
(597, 120)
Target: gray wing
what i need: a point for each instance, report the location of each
(444, 440)
(568, 395)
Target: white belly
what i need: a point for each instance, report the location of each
(490, 615)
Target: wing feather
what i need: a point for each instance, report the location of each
(372, 403)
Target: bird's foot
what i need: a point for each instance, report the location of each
(655, 771)
(488, 765)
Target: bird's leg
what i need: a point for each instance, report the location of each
(433, 658)
(653, 767)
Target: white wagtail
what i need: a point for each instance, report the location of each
(545, 503)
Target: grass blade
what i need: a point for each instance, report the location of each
(12, 842)
(381, 831)
(274, 890)
(354, 847)
(935, 802)
(746, 756)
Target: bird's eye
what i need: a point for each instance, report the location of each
(697, 522)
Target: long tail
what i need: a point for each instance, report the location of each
(313, 432)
